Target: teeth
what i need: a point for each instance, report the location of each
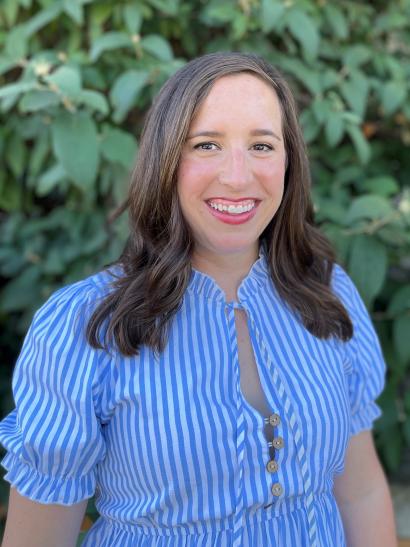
(233, 209)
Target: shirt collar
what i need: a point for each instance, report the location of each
(257, 278)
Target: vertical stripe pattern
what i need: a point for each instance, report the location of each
(168, 444)
(240, 436)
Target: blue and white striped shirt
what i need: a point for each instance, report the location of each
(168, 444)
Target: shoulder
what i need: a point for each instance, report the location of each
(72, 305)
(83, 293)
(344, 288)
(56, 344)
(365, 338)
(341, 283)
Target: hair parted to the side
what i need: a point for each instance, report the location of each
(156, 262)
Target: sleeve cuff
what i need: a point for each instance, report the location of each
(44, 489)
(364, 418)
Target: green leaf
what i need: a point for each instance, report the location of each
(368, 207)
(16, 154)
(10, 194)
(330, 78)
(10, 10)
(66, 79)
(75, 145)
(16, 43)
(337, 21)
(168, 7)
(351, 118)
(400, 301)
(16, 89)
(125, 90)
(50, 179)
(348, 174)
(109, 41)
(360, 143)
(119, 147)
(304, 30)
(334, 129)
(132, 18)
(394, 236)
(157, 46)
(41, 19)
(74, 9)
(355, 92)
(310, 125)
(6, 64)
(401, 336)
(356, 55)
(331, 209)
(217, 13)
(18, 294)
(368, 266)
(393, 95)
(54, 263)
(39, 153)
(321, 108)
(93, 99)
(382, 186)
(38, 100)
(271, 12)
(95, 76)
(339, 241)
(239, 26)
(308, 77)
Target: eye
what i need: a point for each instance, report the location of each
(262, 147)
(205, 146)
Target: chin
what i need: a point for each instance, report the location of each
(230, 247)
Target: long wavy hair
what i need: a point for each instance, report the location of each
(156, 262)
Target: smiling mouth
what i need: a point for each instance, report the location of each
(237, 208)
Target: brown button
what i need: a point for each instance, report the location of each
(274, 420)
(277, 489)
(278, 442)
(272, 466)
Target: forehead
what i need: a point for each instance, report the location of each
(239, 95)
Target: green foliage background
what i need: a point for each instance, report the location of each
(76, 77)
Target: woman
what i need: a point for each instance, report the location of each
(216, 386)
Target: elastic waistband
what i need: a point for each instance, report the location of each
(278, 509)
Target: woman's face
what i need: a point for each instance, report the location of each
(232, 167)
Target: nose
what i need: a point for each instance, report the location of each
(235, 169)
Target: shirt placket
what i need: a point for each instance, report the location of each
(273, 420)
(240, 437)
(276, 443)
(289, 415)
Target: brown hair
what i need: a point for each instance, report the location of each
(156, 261)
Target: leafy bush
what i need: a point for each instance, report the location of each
(76, 77)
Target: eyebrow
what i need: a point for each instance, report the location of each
(254, 133)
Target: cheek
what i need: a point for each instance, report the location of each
(194, 177)
(273, 176)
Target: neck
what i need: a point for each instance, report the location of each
(227, 270)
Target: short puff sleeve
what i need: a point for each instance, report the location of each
(365, 366)
(53, 437)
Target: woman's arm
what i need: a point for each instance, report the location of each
(363, 496)
(40, 525)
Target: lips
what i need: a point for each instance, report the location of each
(232, 207)
(233, 211)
